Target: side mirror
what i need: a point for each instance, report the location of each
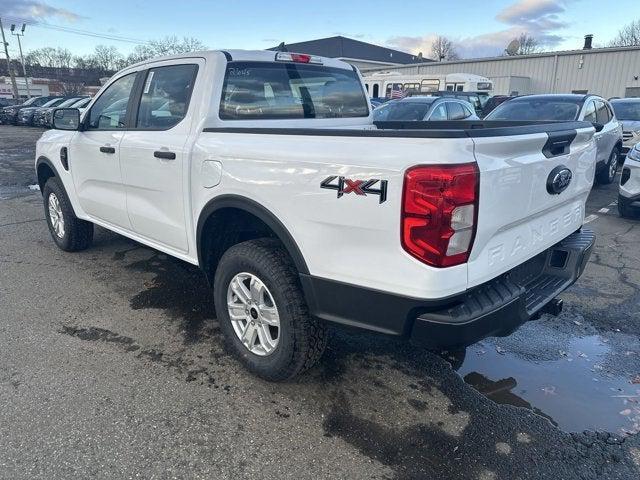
(598, 126)
(66, 119)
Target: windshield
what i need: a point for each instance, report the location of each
(402, 111)
(53, 103)
(274, 90)
(66, 103)
(533, 109)
(31, 101)
(81, 103)
(627, 110)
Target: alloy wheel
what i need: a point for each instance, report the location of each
(253, 313)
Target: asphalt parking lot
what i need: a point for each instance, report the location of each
(112, 365)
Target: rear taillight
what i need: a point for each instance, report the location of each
(439, 212)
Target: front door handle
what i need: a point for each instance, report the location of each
(107, 150)
(163, 154)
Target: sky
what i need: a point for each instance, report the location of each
(477, 27)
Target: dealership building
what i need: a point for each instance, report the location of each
(609, 72)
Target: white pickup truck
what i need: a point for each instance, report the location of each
(267, 171)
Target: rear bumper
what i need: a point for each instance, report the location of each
(495, 308)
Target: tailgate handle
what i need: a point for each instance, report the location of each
(107, 150)
(558, 143)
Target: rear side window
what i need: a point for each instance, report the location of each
(272, 90)
(165, 97)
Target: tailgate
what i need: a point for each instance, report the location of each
(518, 217)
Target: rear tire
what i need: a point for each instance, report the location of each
(301, 338)
(69, 232)
(608, 174)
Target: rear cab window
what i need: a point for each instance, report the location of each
(273, 90)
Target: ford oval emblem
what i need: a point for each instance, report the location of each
(558, 180)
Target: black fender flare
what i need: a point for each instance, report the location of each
(257, 210)
(42, 160)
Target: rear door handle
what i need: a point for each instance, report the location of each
(163, 154)
(107, 150)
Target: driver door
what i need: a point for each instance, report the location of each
(94, 154)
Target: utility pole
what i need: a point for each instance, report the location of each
(16, 95)
(24, 67)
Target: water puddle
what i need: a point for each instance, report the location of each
(576, 390)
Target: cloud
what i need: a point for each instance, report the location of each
(34, 10)
(541, 19)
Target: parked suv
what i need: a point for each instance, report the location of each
(627, 111)
(629, 193)
(568, 107)
(10, 114)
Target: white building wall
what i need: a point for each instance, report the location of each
(606, 72)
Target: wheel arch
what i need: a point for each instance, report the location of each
(44, 171)
(215, 208)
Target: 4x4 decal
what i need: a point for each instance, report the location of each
(359, 187)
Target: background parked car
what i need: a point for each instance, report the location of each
(629, 192)
(493, 102)
(426, 108)
(627, 111)
(10, 114)
(44, 115)
(25, 115)
(475, 99)
(568, 107)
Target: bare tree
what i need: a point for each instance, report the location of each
(526, 45)
(443, 49)
(628, 36)
(107, 59)
(49, 57)
(69, 89)
(169, 45)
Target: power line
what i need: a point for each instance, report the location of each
(75, 31)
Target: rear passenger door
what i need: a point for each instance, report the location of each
(154, 152)
(589, 115)
(609, 134)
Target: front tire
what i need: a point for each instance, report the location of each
(262, 311)
(69, 232)
(608, 173)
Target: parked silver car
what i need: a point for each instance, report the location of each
(426, 108)
(629, 193)
(568, 107)
(627, 111)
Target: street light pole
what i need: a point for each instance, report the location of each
(16, 95)
(24, 67)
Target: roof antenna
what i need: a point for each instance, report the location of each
(282, 47)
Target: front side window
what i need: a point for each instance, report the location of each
(110, 109)
(590, 112)
(602, 114)
(165, 96)
(274, 90)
